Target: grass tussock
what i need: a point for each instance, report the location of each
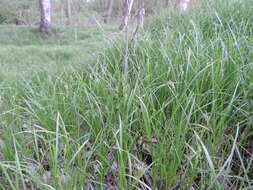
(183, 119)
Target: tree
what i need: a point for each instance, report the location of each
(167, 3)
(140, 17)
(45, 19)
(108, 13)
(182, 4)
(128, 4)
(69, 12)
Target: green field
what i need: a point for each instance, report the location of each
(183, 119)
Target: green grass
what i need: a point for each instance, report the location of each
(23, 51)
(183, 117)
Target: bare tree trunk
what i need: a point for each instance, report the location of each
(140, 20)
(62, 12)
(68, 12)
(167, 3)
(140, 17)
(124, 26)
(182, 4)
(45, 21)
(108, 11)
(126, 14)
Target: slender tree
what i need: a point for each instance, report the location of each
(124, 27)
(140, 17)
(167, 3)
(68, 12)
(45, 19)
(109, 9)
(182, 4)
(128, 4)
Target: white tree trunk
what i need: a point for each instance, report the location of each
(140, 17)
(45, 21)
(126, 14)
(124, 26)
(108, 13)
(69, 12)
(182, 4)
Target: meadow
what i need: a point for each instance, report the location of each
(183, 119)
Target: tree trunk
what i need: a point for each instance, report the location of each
(167, 3)
(45, 21)
(126, 14)
(124, 27)
(182, 4)
(108, 11)
(68, 11)
(140, 17)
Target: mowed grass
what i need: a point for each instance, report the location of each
(182, 120)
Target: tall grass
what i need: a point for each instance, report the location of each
(182, 120)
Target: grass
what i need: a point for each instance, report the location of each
(23, 50)
(182, 120)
